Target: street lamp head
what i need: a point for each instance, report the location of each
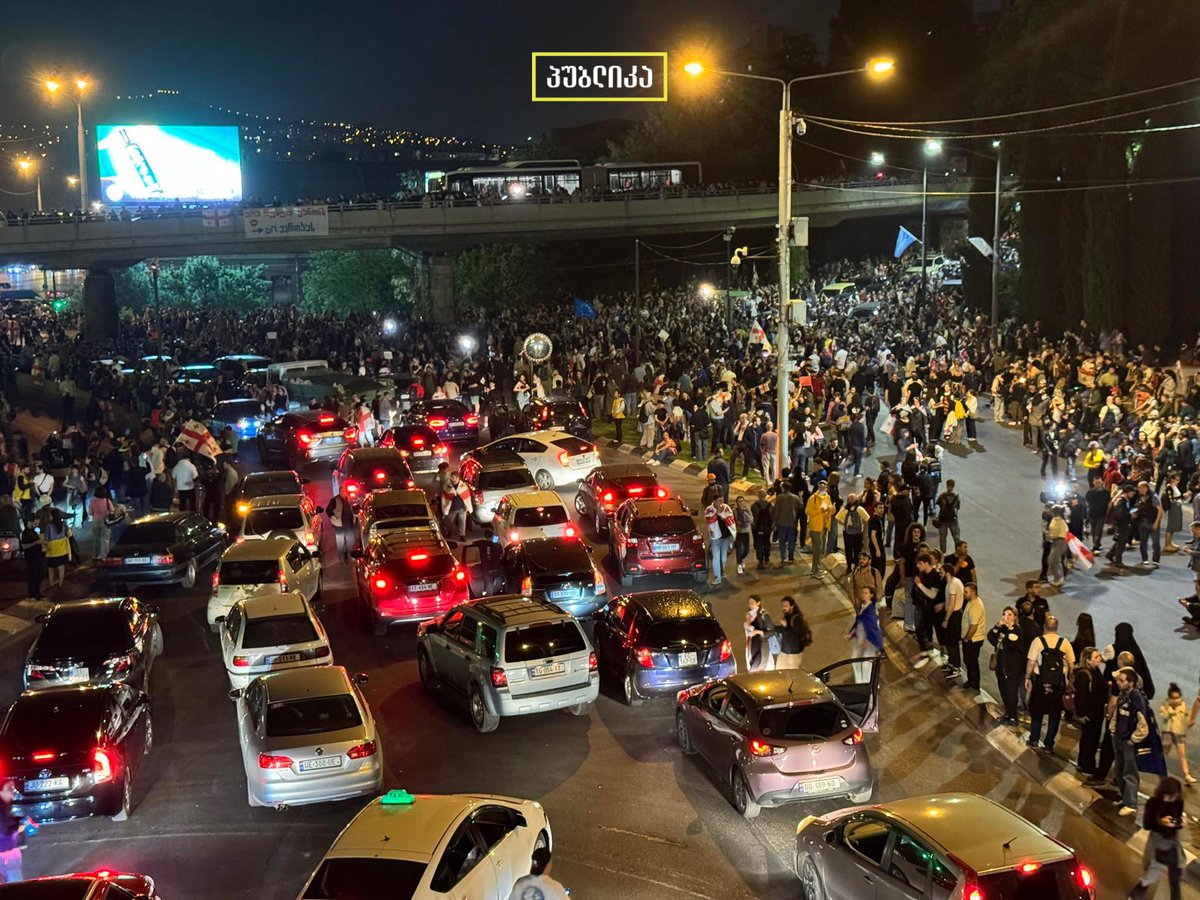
(933, 147)
(881, 67)
(52, 85)
(706, 291)
(694, 68)
(996, 144)
(25, 165)
(81, 83)
(877, 158)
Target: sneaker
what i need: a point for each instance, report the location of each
(1190, 779)
(1127, 811)
(952, 671)
(741, 569)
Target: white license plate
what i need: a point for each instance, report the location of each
(551, 669)
(578, 461)
(137, 560)
(455, 422)
(321, 762)
(423, 586)
(73, 676)
(823, 786)
(687, 659)
(423, 453)
(666, 548)
(47, 784)
(285, 658)
(564, 594)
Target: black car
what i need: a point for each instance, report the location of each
(305, 435)
(167, 548)
(451, 420)
(657, 642)
(364, 470)
(605, 488)
(263, 484)
(95, 642)
(419, 444)
(559, 569)
(541, 414)
(74, 751)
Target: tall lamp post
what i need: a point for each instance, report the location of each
(29, 167)
(932, 148)
(878, 68)
(54, 87)
(996, 253)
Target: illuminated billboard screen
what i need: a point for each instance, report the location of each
(142, 164)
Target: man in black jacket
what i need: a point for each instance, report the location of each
(794, 635)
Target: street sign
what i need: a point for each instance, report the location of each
(800, 231)
(798, 310)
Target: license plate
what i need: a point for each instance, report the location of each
(137, 560)
(564, 594)
(578, 461)
(73, 676)
(321, 762)
(47, 784)
(423, 453)
(423, 586)
(666, 548)
(823, 786)
(285, 658)
(551, 669)
(687, 659)
(454, 423)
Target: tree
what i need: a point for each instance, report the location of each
(359, 281)
(202, 282)
(498, 276)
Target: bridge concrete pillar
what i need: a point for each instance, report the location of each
(99, 306)
(441, 288)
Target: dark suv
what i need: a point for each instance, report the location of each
(363, 470)
(95, 642)
(606, 488)
(656, 536)
(407, 576)
(450, 420)
(305, 436)
(542, 414)
(557, 568)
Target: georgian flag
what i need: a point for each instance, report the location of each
(197, 438)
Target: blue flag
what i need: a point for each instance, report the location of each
(584, 310)
(904, 240)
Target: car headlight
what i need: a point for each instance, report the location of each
(243, 423)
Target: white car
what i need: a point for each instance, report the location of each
(933, 263)
(433, 847)
(283, 515)
(554, 458)
(531, 514)
(271, 633)
(271, 566)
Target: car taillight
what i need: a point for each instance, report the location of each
(418, 556)
(460, 575)
(726, 650)
(381, 584)
(304, 437)
(282, 576)
(36, 675)
(102, 766)
(43, 755)
(380, 475)
(388, 441)
(216, 582)
(636, 490)
(1086, 880)
(325, 420)
(593, 662)
(410, 484)
(598, 581)
(562, 457)
(352, 488)
(472, 419)
(514, 537)
(570, 531)
(350, 434)
(697, 538)
(972, 892)
(441, 450)
(243, 508)
(607, 498)
(661, 493)
(361, 751)
(762, 748)
(241, 662)
(644, 657)
(5, 546)
(119, 663)
(270, 761)
(499, 678)
(526, 585)
(418, 442)
(322, 651)
(856, 738)
(163, 559)
(1028, 868)
(438, 423)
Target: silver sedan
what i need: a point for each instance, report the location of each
(307, 736)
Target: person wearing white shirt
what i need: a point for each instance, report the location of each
(184, 475)
(948, 623)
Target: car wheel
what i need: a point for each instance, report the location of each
(425, 672)
(156, 642)
(626, 577)
(580, 709)
(544, 480)
(189, 575)
(542, 842)
(483, 720)
(579, 507)
(742, 801)
(863, 796)
(149, 735)
(316, 597)
(126, 800)
(601, 524)
(629, 689)
(682, 737)
(810, 878)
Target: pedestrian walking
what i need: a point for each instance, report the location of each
(456, 504)
(1173, 713)
(786, 514)
(759, 628)
(853, 519)
(866, 634)
(34, 552)
(185, 475)
(1096, 501)
(946, 520)
(340, 515)
(819, 513)
(1008, 661)
(973, 631)
(56, 537)
(721, 529)
(1129, 725)
(744, 524)
(1163, 820)
(793, 634)
(1056, 533)
(762, 515)
(864, 575)
(1047, 674)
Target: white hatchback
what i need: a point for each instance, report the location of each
(283, 515)
(531, 514)
(270, 633)
(271, 566)
(554, 458)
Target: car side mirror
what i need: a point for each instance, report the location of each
(362, 678)
(42, 619)
(235, 694)
(318, 510)
(600, 614)
(220, 620)
(356, 553)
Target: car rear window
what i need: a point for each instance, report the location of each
(240, 409)
(565, 556)
(270, 487)
(264, 521)
(813, 721)
(573, 445)
(154, 533)
(360, 878)
(91, 632)
(400, 511)
(504, 479)
(654, 526)
(366, 468)
(1051, 881)
(540, 516)
(68, 723)
(438, 565)
(277, 631)
(698, 632)
(249, 571)
(542, 641)
(642, 486)
(316, 715)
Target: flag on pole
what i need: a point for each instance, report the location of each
(197, 438)
(757, 334)
(904, 240)
(584, 310)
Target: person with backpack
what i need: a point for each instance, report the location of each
(1047, 674)
(946, 519)
(853, 519)
(792, 635)
(762, 515)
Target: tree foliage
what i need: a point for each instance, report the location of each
(497, 276)
(359, 281)
(201, 282)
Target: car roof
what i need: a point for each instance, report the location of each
(84, 699)
(443, 403)
(69, 607)
(403, 830)
(660, 506)
(514, 609)
(780, 686)
(272, 475)
(526, 499)
(162, 517)
(310, 681)
(671, 604)
(417, 536)
(361, 453)
(554, 552)
(269, 548)
(266, 606)
(408, 495)
(976, 829)
(274, 500)
(624, 470)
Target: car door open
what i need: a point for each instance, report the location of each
(855, 682)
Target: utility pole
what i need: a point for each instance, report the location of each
(996, 254)
(637, 293)
(162, 363)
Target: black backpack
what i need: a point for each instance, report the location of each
(1052, 670)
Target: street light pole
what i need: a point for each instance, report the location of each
(924, 211)
(996, 254)
(83, 198)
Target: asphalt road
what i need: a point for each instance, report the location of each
(632, 818)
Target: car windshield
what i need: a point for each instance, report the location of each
(698, 632)
(315, 715)
(540, 516)
(542, 641)
(360, 878)
(657, 526)
(283, 518)
(809, 721)
(155, 534)
(240, 409)
(93, 631)
(278, 631)
(1049, 880)
(504, 479)
(248, 571)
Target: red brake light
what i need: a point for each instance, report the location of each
(351, 487)
(570, 531)
(644, 658)
(418, 556)
(1029, 867)
(269, 761)
(441, 450)
(636, 490)
(309, 537)
(216, 581)
(325, 419)
(472, 419)
(418, 442)
(661, 493)
(350, 434)
(388, 441)
(593, 662)
(380, 584)
(240, 662)
(411, 484)
(380, 475)
(322, 651)
(304, 437)
(499, 678)
(726, 650)
(970, 892)
(438, 422)
(102, 766)
(43, 755)
(562, 457)
(526, 585)
(608, 497)
(362, 751)
(163, 559)
(762, 748)
(856, 738)
(514, 536)
(1085, 878)
(460, 575)
(282, 576)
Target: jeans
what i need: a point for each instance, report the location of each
(970, 659)
(950, 637)
(741, 545)
(1148, 536)
(1035, 730)
(943, 530)
(1127, 771)
(910, 607)
(719, 549)
(787, 543)
(456, 524)
(1096, 530)
(818, 549)
(762, 548)
(856, 457)
(1058, 552)
(1155, 869)
(1089, 742)
(700, 447)
(343, 540)
(187, 500)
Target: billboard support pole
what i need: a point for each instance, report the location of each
(83, 178)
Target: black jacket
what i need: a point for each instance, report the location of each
(794, 633)
(1091, 693)
(1010, 651)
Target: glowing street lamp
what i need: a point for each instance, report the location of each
(933, 147)
(54, 88)
(877, 159)
(694, 69)
(707, 291)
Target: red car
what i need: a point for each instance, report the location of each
(607, 487)
(102, 885)
(407, 576)
(656, 536)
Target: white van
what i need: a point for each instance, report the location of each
(279, 372)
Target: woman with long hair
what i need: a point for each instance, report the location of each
(1085, 633)
(1164, 819)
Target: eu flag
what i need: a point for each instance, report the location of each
(904, 240)
(584, 310)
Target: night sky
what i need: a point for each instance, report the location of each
(457, 67)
